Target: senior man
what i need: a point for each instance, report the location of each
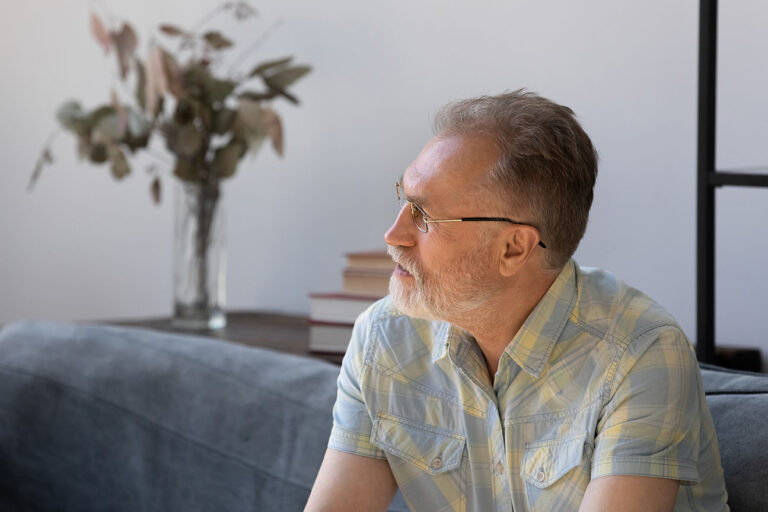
(499, 375)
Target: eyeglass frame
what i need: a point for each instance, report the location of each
(428, 220)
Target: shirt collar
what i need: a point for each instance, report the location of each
(445, 336)
(533, 343)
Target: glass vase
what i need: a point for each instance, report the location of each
(199, 256)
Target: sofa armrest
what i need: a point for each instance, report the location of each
(738, 402)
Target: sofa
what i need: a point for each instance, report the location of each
(97, 418)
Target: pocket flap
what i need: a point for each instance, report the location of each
(432, 449)
(545, 462)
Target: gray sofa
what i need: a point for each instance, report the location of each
(110, 418)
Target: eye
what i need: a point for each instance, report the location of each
(419, 217)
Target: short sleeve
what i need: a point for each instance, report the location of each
(650, 425)
(352, 423)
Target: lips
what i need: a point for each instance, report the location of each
(400, 270)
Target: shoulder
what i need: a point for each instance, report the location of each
(632, 325)
(610, 307)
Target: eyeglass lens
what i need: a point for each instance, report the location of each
(417, 214)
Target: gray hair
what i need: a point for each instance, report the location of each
(547, 166)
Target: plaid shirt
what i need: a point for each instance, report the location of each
(600, 380)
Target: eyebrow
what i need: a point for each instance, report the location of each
(421, 201)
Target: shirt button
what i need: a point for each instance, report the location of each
(499, 468)
(540, 475)
(437, 463)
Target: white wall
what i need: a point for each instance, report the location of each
(84, 247)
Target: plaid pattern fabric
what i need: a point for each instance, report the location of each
(600, 380)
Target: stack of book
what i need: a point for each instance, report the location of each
(332, 315)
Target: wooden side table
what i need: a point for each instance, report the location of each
(284, 333)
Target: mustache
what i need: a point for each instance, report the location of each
(402, 258)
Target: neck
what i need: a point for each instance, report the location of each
(497, 321)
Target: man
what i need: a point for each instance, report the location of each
(498, 374)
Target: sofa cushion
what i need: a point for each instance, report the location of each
(738, 402)
(126, 419)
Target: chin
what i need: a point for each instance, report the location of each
(409, 302)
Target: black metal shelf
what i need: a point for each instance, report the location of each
(735, 179)
(708, 180)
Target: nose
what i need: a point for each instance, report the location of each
(402, 231)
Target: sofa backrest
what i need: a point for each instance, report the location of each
(119, 419)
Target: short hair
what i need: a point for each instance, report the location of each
(547, 165)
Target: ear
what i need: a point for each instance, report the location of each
(521, 242)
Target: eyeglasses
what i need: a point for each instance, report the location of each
(422, 220)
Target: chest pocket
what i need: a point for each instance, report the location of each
(544, 469)
(429, 448)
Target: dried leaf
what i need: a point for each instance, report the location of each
(256, 96)
(226, 158)
(188, 142)
(138, 126)
(264, 66)
(185, 170)
(242, 10)
(83, 146)
(104, 124)
(156, 190)
(217, 41)
(172, 30)
(184, 112)
(72, 117)
(138, 132)
(120, 168)
(141, 84)
(157, 85)
(249, 124)
(125, 41)
(218, 90)
(108, 127)
(195, 78)
(173, 76)
(100, 33)
(98, 153)
(275, 129)
(223, 121)
(283, 78)
(122, 116)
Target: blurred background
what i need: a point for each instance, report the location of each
(82, 246)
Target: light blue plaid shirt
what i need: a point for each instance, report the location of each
(600, 380)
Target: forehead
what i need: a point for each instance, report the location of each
(449, 168)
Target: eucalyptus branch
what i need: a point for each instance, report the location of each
(192, 33)
(255, 45)
(208, 17)
(44, 158)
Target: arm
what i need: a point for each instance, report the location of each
(630, 494)
(348, 482)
